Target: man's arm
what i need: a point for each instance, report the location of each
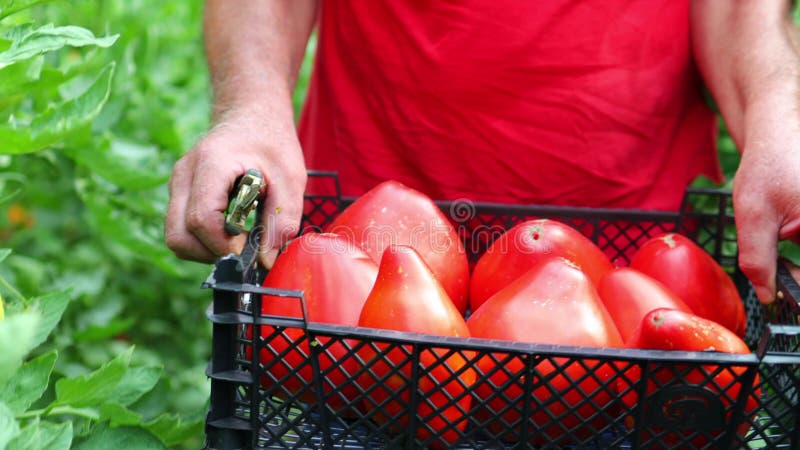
(255, 49)
(254, 52)
(747, 53)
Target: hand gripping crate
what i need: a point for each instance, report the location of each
(535, 395)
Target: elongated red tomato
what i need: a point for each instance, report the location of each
(552, 303)
(407, 297)
(694, 276)
(683, 391)
(629, 295)
(394, 214)
(527, 244)
(336, 277)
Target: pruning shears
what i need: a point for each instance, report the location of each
(243, 200)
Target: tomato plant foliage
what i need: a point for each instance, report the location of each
(104, 340)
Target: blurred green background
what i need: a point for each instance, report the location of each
(93, 119)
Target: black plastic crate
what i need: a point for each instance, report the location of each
(525, 395)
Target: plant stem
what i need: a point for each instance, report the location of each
(87, 413)
(14, 292)
(29, 414)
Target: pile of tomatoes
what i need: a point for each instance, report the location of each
(392, 260)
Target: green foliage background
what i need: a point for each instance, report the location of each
(98, 99)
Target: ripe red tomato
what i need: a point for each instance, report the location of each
(694, 276)
(552, 303)
(336, 277)
(669, 329)
(629, 294)
(393, 214)
(407, 297)
(526, 244)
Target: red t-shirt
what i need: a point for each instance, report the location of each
(583, 103)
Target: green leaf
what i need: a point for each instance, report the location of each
(52, 307)
(28, 383)
(102, 332)
(84, 283)
(21, 74)
(172, 430)
(104, 438)
(17, 334)
(125, 163)
(58, 123)
(28, 42)
(44, 436)
(26, 79)
(9, 427)
(118, 415)
(8, 7)
(94, 388)
(30, 273)
(136, 382)
(4, 252)
(144, 238)
(79, 110)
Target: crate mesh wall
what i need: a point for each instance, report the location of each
(540, 396)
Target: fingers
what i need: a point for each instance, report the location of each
(793, 268)
(283, 209)
(184, 244)
(757, 233)
(194, 226)
(207, 202)
(791, 231)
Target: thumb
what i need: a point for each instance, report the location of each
(758, 252)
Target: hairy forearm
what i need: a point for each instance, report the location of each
(254, 51)
(747, 52)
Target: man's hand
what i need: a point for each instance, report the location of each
(766, 190)
(748, 55)
(254, 51)
(203, 178)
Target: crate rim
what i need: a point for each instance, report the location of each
(321, 330)
(580, 211)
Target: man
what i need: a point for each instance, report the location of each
(584, 103)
